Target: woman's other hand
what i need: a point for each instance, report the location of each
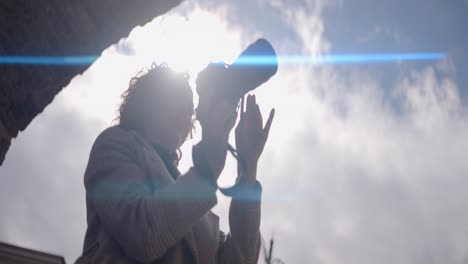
(251, 137)
(217, 119)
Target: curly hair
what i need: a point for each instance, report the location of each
(146, 89)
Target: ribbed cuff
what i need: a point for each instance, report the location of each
(243, 191)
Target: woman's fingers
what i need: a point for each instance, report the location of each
(266, 130)
(258, 114)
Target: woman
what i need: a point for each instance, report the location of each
(140, 209)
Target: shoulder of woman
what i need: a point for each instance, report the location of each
(112, 135)
(118, 136)
(113, 147)
(112, 144)
(118, 143)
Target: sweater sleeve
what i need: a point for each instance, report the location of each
(145, 223)
(242, 244)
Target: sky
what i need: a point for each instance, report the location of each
(364, 163)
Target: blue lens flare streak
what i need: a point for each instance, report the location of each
(248, 60)
(339, 59)
(46, 60)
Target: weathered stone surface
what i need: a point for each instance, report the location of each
(57, 28)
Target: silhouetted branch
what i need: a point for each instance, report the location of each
(268, 253)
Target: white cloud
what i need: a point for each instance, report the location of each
(368, 185)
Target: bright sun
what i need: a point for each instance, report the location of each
(186, 43)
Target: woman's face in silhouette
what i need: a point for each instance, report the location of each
(172, 120)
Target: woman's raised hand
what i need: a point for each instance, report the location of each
(251, 136)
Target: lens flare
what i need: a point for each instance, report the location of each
(46, 60)
(248, 60)
(340, 58)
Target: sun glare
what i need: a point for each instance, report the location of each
(186, 43)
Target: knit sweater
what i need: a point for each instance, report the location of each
(138, 213)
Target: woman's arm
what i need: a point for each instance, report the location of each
(143, 222)
(242, 244)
